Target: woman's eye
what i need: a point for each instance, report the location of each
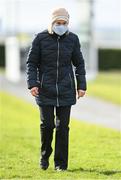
(58, 23)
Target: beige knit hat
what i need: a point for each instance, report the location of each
(58, 14)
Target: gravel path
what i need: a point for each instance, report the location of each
(88, 109)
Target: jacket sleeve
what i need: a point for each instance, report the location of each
(78, 62)
(32, 64)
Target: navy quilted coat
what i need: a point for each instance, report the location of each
(49, 66)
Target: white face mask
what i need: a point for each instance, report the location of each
(60, 29)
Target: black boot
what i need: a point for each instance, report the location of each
(44, 164)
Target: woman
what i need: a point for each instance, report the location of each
(50, 79)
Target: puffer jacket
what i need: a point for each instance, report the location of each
(49, 67)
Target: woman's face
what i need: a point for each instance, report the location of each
(60, 22)
(60, 27)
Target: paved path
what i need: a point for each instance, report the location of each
(88, 109)
(98, 112)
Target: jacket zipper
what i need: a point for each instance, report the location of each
(57, 70)
(70, 79)
(42, 80)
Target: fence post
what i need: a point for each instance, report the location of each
(12, 59)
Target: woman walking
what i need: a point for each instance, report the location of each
(50, 78)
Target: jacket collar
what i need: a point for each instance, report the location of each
(53, 34)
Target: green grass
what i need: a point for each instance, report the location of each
(2, 70)
(107, 86)
(94, 153)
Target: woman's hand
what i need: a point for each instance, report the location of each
(34, 91)
(81, 93)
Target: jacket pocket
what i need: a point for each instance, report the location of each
(42, 79)
(71, 80)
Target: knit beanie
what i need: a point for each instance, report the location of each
(58, 14)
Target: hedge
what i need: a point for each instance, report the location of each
(109, 59)
(2, 56)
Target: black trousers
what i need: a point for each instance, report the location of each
(47, 125)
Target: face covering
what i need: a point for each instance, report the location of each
(60, 29)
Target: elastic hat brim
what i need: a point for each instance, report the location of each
(60, 18)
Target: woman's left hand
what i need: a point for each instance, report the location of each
(81, 93)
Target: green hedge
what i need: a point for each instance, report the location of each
(109, 59)
(2, 55)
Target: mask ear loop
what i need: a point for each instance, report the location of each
(50, 28)
(60, 31)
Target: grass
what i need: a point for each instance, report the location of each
(94, 153)
(2, 70)
(107, 86)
